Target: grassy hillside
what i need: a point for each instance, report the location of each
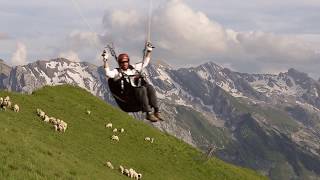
(31, 149)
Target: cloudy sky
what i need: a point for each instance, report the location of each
(248, 36)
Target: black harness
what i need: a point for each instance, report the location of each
(135, 81)
(122, 89)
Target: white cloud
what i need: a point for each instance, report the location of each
(183, 31)
(19, 57)
(81, 39)
(70, 55)
(184, 35)
(125, 19)
(268, 46)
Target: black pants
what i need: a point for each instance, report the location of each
(146, 96)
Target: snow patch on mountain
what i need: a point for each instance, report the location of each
(274, 85)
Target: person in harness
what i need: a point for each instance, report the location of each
(129, 87)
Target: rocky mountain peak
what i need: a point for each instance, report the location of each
(62, 60)
(161, 64)
(210, 66)
(297, 74)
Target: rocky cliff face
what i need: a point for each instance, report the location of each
(266, 122)
(4, 73)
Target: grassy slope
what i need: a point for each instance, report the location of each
(31, 149)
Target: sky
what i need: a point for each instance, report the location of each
(254, 36)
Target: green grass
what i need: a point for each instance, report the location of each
(31, 149)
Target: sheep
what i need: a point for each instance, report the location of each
(9, 104)
(114, 137)
(64, 126)
(121, 169)
(126, 172)
(4, 103)
(58, 124)
(42, 114)
(1, 100)
(139, 175)
(7, 98)
(52, 119)
(16, 108)
(38, 111)
(133, 173)
(149, 139)
(109, 165)
(109, 125)
(56, 127)
(115, 130)
(88, 112)
(46, 119)
(122, 130)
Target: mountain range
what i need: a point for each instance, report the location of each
(266, 122)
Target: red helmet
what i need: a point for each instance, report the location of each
(122, 56)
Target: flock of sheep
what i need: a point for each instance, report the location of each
(114, 137)
(127, 172)
(59, 125)
(7, 104)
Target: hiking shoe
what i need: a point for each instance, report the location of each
(157, 115)
(152, 118)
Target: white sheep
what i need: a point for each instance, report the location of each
(122, 130)
(115, 130)
(16, 108)
(114, 137)
(135, 175)
(139, 175)
(9, 104)
(109, 165)
(46, 119)
(38, 111)
(4, 103)
(52, 119)
(1, 100)
(42, 115)
(57, 121)
(149, 139)
(109, 125)
(7, 98)
(126, 172)
(56, 127)
(64, 126)
(131, 173)
(88, 112)
(121, 169)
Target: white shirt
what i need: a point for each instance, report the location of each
(136, 67)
